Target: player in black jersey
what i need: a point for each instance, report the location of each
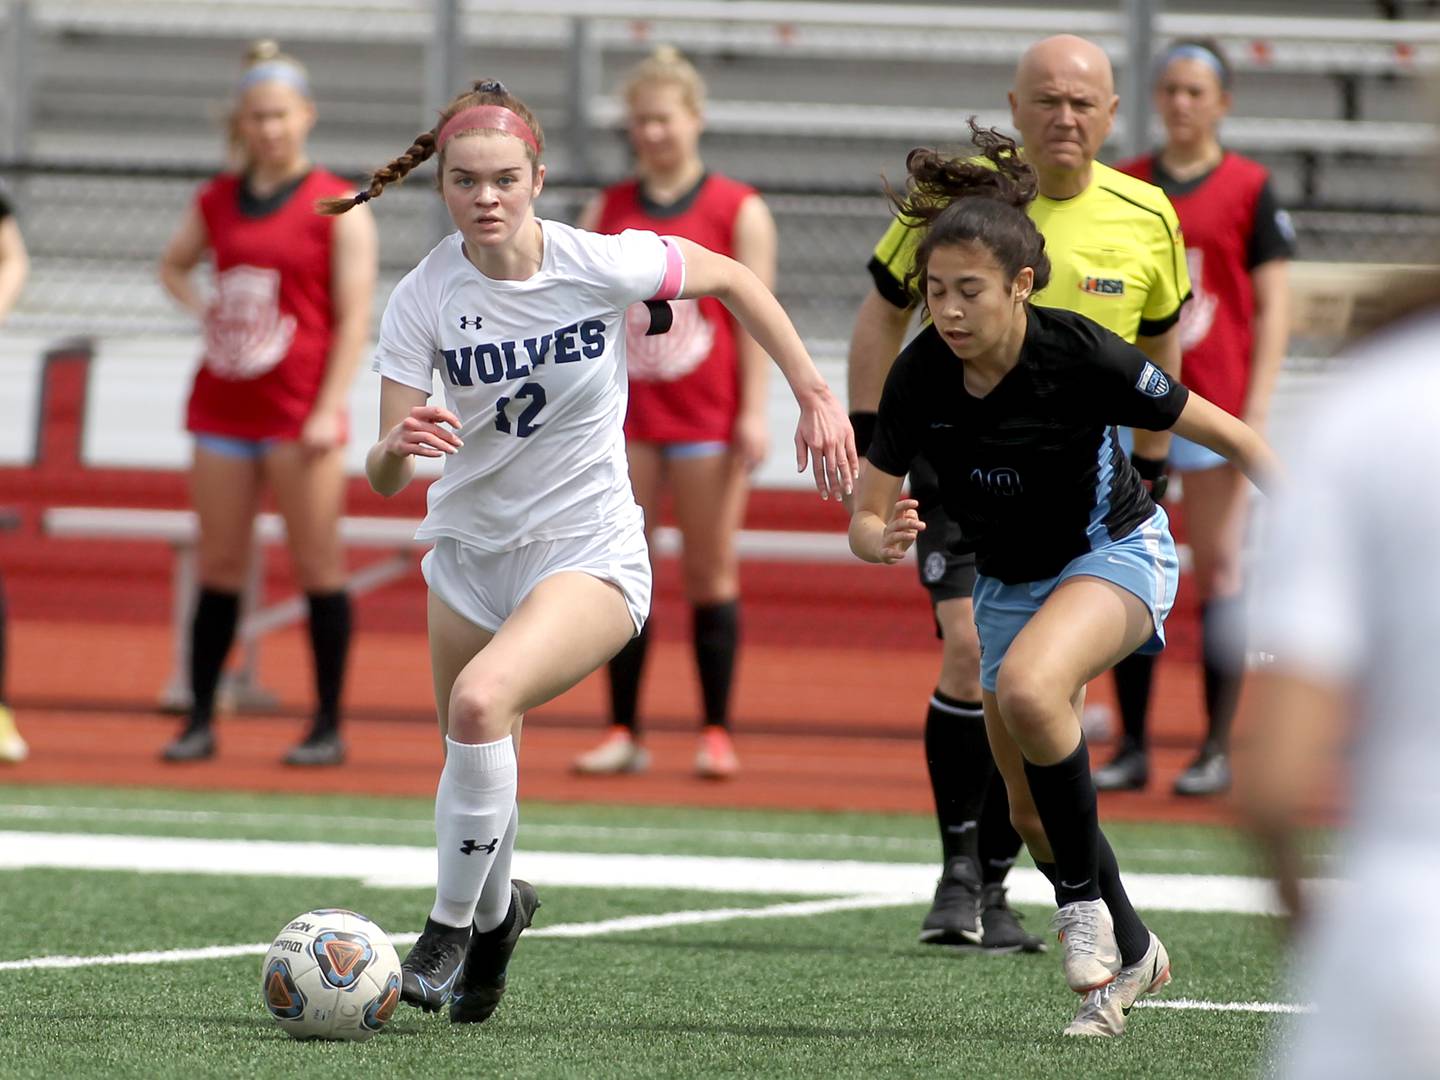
(1016, 408)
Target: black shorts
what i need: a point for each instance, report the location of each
(947, 568)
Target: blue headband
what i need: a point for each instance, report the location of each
(274, 71)
(1191, 51)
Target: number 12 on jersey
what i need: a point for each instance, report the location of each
(525, 425)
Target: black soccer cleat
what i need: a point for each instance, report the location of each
(192, 744)
(1128, 770)
(318, 748)
(954, 917)
(1001, 923)
(428, 972)
(481, 984)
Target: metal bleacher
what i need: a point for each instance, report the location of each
(811, 101)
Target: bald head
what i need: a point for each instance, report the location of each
(1063, 104)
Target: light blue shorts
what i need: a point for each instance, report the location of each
(1143, 563)
(1185, 456)
(232, 447)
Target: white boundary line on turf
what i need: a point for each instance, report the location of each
(623, 925)
(1225, 1006)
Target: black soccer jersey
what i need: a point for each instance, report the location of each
(1032, 472)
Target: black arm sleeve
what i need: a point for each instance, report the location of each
(887, 286)
(1272, 236)
(1133, 391)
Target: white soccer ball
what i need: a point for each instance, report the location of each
(331, 974)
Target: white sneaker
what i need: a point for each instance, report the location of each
(12, 747)
(619, 753)
(1088, 933)
(1104, 1011)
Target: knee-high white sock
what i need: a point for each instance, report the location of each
(495, 895)
(473, 806)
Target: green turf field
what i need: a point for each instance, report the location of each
(837, 993)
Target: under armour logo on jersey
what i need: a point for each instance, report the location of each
(470, 847)
(469, 322)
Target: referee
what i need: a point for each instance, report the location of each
(1117, 257)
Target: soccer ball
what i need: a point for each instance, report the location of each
(331, 974)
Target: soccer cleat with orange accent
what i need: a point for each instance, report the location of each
(1087, 932)
(13, 749)
(716, 760)
(619, 753)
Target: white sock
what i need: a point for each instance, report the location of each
(495, 895)
(473, 806)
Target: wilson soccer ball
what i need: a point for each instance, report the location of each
(331, 974)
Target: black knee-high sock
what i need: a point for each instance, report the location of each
(999, 842)
(624, 671)
(212, 631)
(1133, 676)
(1064, 796)
(717, 638)
(1131, 933)
(958, 755)
(330, 622)
(1223, 650)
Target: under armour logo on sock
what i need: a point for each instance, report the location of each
(470, 847)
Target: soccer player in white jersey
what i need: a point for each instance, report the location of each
(1346, 607)
(539, 573)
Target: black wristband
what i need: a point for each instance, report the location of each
(863, 421)
(1150, 469)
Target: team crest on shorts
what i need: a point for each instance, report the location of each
(1152, 381)
(934, 567)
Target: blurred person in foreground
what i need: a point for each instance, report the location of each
(1347, 613)
(14, 268)
(697, 421)
(1233, 333)
(283, 332)
(1114, 246)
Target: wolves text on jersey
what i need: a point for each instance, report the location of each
(501, 361)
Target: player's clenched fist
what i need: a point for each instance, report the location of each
(422, 435)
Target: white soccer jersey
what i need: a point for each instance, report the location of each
(1349, 594)
(535, 370)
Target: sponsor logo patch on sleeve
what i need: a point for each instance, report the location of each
(1103, 286)
(1152, 381)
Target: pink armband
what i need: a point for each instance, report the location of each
(673, 283)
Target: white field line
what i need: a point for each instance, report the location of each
(398, 866)
(627, 924)
(1225, 1006)
(158, 815)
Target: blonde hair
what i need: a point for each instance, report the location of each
(667, 65)
(264, 62)
(424, 146)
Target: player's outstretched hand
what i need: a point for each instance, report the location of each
(825, 438)
(901, 531)
(422, 435)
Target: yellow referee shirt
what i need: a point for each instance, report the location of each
(1116, 255)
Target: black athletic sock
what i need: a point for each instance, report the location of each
(1223, 652)
(624, 671)
(717, 638)
(999, 842)
(1064, 795)
(1131, 933)
(212, 631)
(1133, 677)
(330, 624)
(958, 756)
(1046, 868)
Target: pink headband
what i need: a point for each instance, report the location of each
(488, 118)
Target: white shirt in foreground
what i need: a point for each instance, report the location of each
(535, 370)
